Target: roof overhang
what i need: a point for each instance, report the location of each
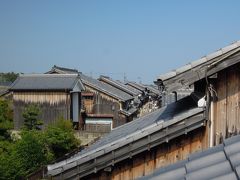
(140, 141)
(199, 69)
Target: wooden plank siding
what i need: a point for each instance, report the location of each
(104, 104)
(226, 111)
(145, 163)
(52, 105)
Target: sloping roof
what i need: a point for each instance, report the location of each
(46, 82)
(4, 88)
(142, 87)
(133, 89)
(136, 86)
(119, 85)
(94, 83)
(220, 162)
(105, 88)
(62, 70)
(151, 130)
(205, 66)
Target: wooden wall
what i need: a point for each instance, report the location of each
(104, 104)
(160, 156)
(227, 106)
(52, 105)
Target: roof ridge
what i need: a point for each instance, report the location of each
(197, 62)
(64, 68)
(47, 75)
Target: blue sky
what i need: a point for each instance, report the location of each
(138, 38)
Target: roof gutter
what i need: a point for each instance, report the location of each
(142, 140)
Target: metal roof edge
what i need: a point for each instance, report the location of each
(123, 141)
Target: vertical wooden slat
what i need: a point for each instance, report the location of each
(138, 166)
(221, 107)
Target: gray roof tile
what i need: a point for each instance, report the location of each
(231, 140)
(198, 62)
(205, 161)
(46, 82)
(237, 170)
(235, 159)
(232, 148)
(230, 176)
(210, 172)
(175, 174)
(219, 162)
(179, 110)
(206, 152)
(120, 85)
(105, 88)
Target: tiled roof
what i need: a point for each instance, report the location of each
(105, 88)
(46, 82)
(198, 69)
(119, 85)
(141, 128)
(220, 162)
(62, 70)
(142, 87)
(100, 86)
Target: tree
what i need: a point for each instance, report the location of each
(6, 118)
(31, 152)
(30, 115)
(25, 156)
(8, 77)
(35, 149)
(60, 137)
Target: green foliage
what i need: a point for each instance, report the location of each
(30, 115)
(35, 149)
(7, 163)
(25, 156)
(6, 118)
(60, 137)
(8, 77)
(31, 152)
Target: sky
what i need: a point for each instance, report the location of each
(138, 39)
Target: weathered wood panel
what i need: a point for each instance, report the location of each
(52, 104)
(104, 104)
(226, 115)
(88, 105)
(160, 156)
